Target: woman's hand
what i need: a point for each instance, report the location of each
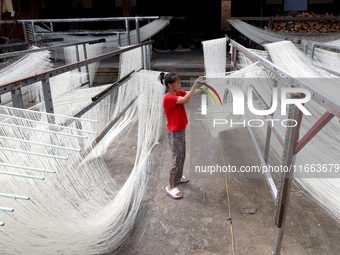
(199, 79)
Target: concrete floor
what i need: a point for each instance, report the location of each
(224, 215)
(201, 222)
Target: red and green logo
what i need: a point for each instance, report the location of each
(209, 93)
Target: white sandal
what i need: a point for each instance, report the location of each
(173, 193)
(184, 179)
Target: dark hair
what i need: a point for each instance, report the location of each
(167, 78)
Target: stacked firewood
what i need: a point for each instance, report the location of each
(307, 26)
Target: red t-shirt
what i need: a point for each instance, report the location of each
(175, 113)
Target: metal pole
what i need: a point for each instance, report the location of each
(147, 58)
(266, 149)
(42, 130)
(86, 19)
(118, 39)
(270, 25)
(150, 35)
(25, 31)
(23, 175)
(233, 58)
(17, 98)
(28, 168)
(142, 52)
(127, 31)
(78, 59)
(312, 52)
(33, 31)
(6, 209)
(323, 45)
(146, 55)
(48, 99)
(14, 196)
(288, 161)
(22, 52)
(149, 55)
(44, 42)
(87, 66)
(45, 113)
(269, 178)
(33, 153)
(137, 31)
(47, 95)
(49, 124)
(269, 131)
(56, 52)
(80, 141)
(38, 143)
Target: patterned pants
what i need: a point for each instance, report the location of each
(177, 144)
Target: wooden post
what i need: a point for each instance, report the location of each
(126, 8)
(225, 13)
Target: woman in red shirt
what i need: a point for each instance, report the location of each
(173, 102)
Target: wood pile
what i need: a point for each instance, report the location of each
(307, 26)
